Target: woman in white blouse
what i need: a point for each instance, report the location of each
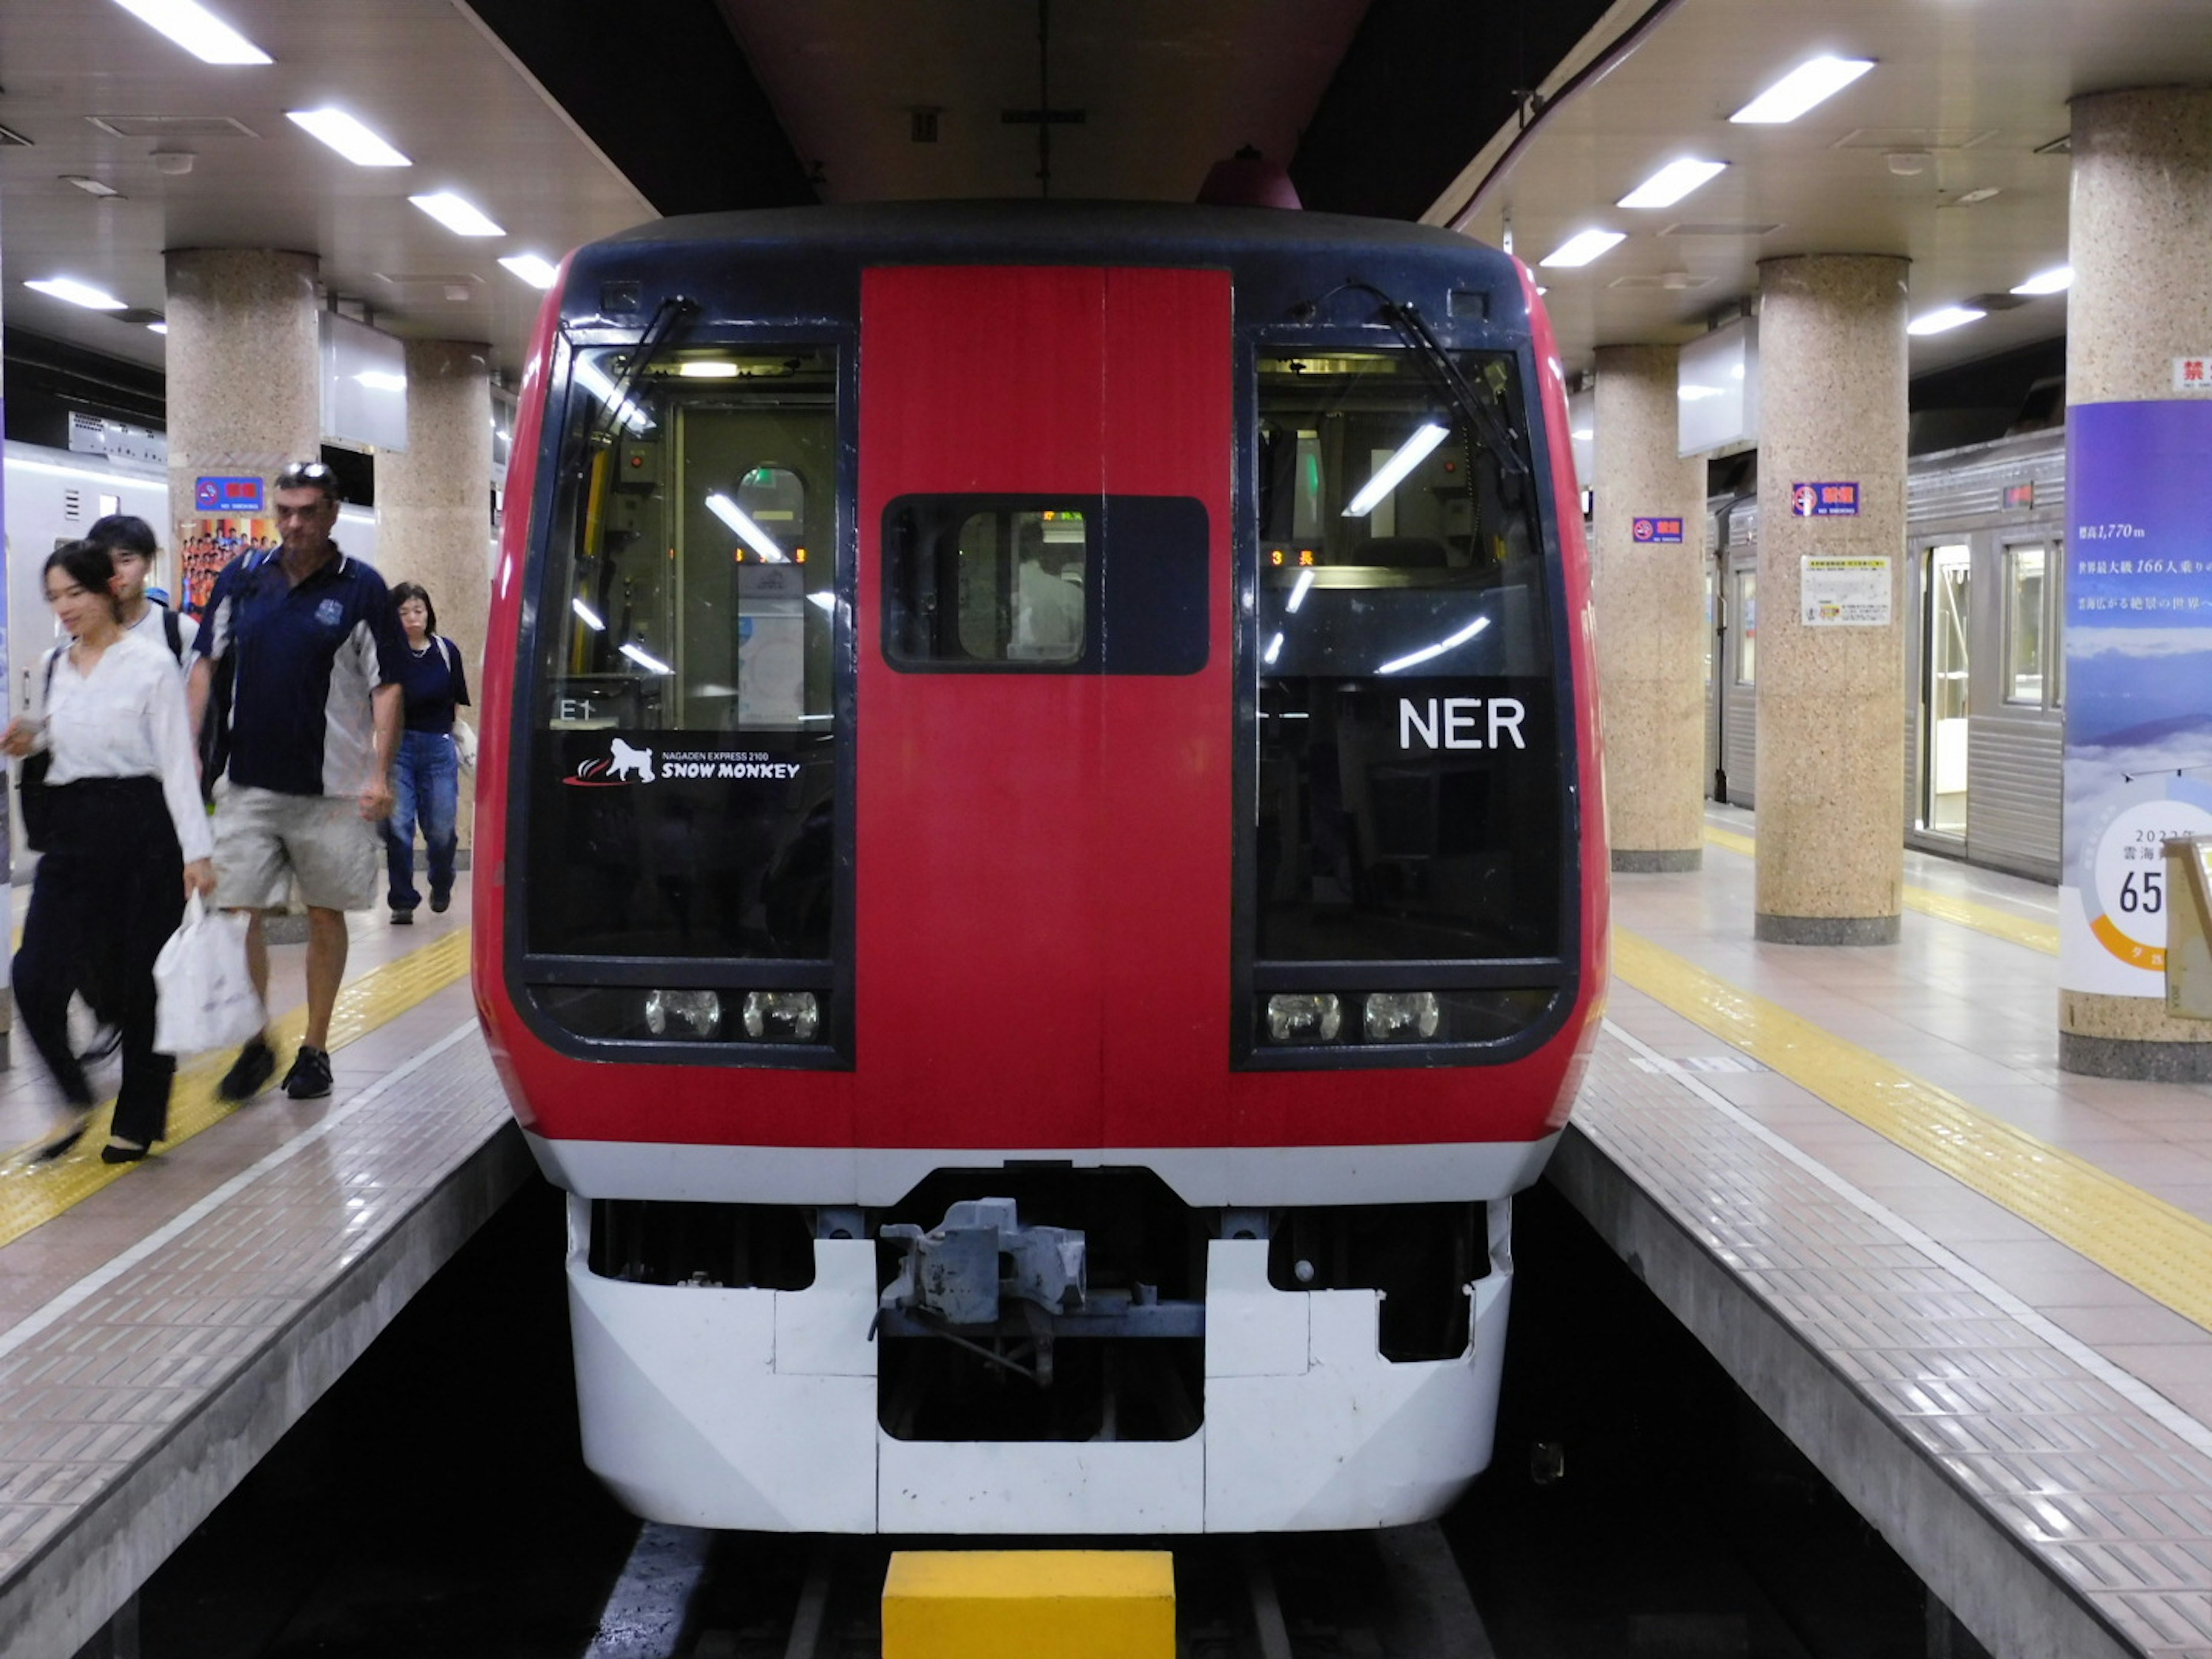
(127, 839)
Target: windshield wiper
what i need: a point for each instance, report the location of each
(1476, 404)
(669, 318)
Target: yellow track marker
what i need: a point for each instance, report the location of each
(2163, 1251)
(1021, 1604)
(1965, 913)
(33, 1194)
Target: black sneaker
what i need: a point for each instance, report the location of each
(249, 1073)
(403, 918)
(440, 901)
(310, 1076)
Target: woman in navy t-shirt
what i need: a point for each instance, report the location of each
(426, 779)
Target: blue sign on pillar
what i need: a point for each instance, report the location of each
(227, 496)
(2138, 642)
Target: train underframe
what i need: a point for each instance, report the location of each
(1019, 1350)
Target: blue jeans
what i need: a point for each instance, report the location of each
(425, 787)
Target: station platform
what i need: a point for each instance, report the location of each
(1975, 1291)
(163, 1324)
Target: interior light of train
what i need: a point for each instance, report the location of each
(1582, 247)
(2056, 280)
(1671, 183)
(1298, 591)
(1949, 317)
(646, 659)
(1809, 83)
(457, 214)
(538, 273)
(589, 377)
(707, 368)
(753, 536)
(1437, 650)
(76, 293)
(1401, 1014)
(347, 136)
(589, 617)
(1409, 455)
(198, 30)
(1305, 1017)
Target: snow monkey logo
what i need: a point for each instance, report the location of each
(627, 762)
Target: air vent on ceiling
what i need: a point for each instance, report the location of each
(72, 503)
(1915, 138)
(1719, 227)
(10, 136)
(172, 126)
(1675, 281)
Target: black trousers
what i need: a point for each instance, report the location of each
(110, 891)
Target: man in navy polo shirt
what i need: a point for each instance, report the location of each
(314, 650)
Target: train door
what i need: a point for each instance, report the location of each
(1945, 617)
(1716, 632)
(1041, 621)
(1737, 668)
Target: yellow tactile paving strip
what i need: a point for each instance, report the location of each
(1982, 918)
(32, 1194)
(2164, 1252)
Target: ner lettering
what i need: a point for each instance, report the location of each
(1457, 722)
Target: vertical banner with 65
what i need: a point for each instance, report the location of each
(2138, 686)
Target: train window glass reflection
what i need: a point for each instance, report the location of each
(1746, 627)
(1408, 780)
(1020, 579)
(2025, 614)
(683, 780)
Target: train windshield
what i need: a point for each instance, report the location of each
(1409, 774)
(683, 788)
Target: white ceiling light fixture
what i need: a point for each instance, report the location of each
(196, 29)
(92, 186)
(348, 136)
(748, 532)
(458, 214)
(157, 328)
(377, 379)
(534, 270)
(2056, 280)
(1692, 392)
(1808, 84)
(1672, 183)
(76, 293)
(707, 368)
(1409, 455)
(1942, 321)
(1582, 247)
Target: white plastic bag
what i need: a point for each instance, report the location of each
(205, 997)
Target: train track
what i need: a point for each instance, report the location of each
(1396, 1595)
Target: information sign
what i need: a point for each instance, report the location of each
(1824, 501)
(1843, 592)
(1656, 530)
(227, 496)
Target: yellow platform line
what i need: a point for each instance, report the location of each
(32, 1194)
(1965, 913)
(2163, 1251)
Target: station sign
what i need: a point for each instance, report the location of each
(1824, 501)
(227, 495)
(1655, 530)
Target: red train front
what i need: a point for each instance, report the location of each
(1040, 876)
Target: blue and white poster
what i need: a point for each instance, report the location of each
(2138, 686)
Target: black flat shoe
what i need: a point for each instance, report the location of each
(118, 1152)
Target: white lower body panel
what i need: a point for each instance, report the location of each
(755, 1410)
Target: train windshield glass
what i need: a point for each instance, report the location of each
(683, 789)
(1408, 778)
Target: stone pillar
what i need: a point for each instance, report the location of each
(245, 391)
(1832, 351)
(1650, 599)
(2137, 629)
(434, 499)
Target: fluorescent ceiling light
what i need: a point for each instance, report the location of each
(1274, 649)
(1439, 649)
(377, 381)
(2056, 280)
(348, 136)
(1584, 434)
(646, 659)
(1936, 322)
(1409, 456)
(198, 31)
(537, 272)
(1803, 87)
(589, 617)
(158, 328)
(462, 217)
(89, 186)
(708, 369)
(76, 293)
(1671, 183)
(1693, 393)
(748, 532)
(589, 377)
(1298, 590)
(1582, 247)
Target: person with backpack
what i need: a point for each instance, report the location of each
(426, 779)
(131, 546)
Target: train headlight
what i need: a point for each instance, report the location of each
(1305, 1017)
(1401, 1016)
(782, 1016)
(698, 1012)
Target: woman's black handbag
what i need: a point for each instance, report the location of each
(30, 783)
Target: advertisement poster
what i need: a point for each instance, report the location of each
(1844, 592)
(207, 542)
(2138, 687)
